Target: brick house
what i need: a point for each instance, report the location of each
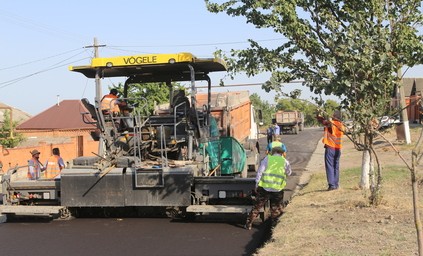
(413, 90)
(14, 114)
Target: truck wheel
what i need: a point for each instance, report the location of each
(174, 213)
(65, 214)
(188, 216)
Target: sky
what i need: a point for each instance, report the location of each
(41, 39)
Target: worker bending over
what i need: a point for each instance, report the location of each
(277, 142)
(270, 182)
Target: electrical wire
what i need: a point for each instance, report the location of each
(194, 45)
(37, 26)
(13, 81)
(39, 60)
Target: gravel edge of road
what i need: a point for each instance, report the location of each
(316, 163)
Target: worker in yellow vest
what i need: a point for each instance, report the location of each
(270, 182)
(277, 142)
(54, 165)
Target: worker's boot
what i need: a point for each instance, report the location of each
(248, 224)
(273, 222)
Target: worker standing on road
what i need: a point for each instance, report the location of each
(35, 167)
(332, 139)
(276, 143)
(54, 165)
(270, 182)
(270, 132)
(277, 130)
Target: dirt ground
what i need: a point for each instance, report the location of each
(341, 222)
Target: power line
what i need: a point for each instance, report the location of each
(37, 26)
(10, 82)
(245, 85)
(39, 60)
(13, 81)
(134, 46)
(193, 45)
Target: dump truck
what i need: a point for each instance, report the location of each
(289, 121)
(175, 160)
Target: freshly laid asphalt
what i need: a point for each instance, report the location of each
(159, 236)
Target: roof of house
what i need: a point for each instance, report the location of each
(18, 116)
(65, 115)
(409, 83)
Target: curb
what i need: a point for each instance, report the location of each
(316, 163)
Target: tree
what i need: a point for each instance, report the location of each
(265, 107)
(350, 49)
(8, 138)
(145, 96)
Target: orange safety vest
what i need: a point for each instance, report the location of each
(109, 103)
(52, 168)
(333, 135)
(36, 169)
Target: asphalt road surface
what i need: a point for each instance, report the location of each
(152, 236)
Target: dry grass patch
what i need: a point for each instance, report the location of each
(341, 222)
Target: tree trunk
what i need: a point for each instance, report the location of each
(415, 157)
(365, 170)
(417, 220)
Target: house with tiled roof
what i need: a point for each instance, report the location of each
(413, 91)
(60, 126)
(65, 115)
(15, 114)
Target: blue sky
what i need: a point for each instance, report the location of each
(40, 39)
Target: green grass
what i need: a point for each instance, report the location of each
(389, 173)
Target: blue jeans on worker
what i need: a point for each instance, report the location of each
(332, 156)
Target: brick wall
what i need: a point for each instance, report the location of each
(10, 157)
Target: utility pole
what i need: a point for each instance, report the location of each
(98, 91)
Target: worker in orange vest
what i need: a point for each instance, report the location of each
(332, 139)
(110, 103)
(35, 167)
(54, 165)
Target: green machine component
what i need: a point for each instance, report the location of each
(228, 153)
(225, 152)
(232, 156)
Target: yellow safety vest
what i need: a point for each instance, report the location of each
(276, 144)
(274, 176)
